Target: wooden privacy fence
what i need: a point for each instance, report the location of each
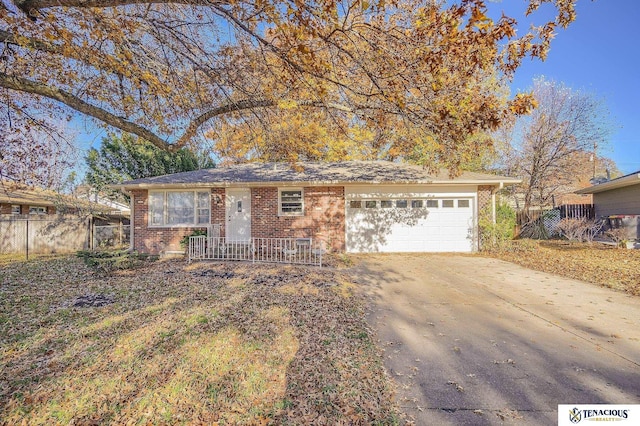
(44, 234)
(32, 234)
(577, 211)
(568, 211)
(543, 223)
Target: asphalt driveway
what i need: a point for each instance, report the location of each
(472, 340)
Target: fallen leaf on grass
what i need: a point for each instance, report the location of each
(596, 263)
(456, 386)
(185, 343)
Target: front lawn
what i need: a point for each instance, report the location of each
(596, 263)
(171, 343)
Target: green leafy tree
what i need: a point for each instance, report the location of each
(495, 235)
(127, 157)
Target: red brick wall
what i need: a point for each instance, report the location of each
(323, 218)
(218, 212)
(5, 208)
(159, 240)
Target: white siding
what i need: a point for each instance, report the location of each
(417, 229)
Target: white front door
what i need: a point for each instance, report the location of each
(238, 209)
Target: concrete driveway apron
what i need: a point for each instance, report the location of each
(473, 341)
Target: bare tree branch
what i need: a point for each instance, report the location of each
(29, 86)
(29, 6)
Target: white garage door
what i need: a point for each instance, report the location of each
(417, 224)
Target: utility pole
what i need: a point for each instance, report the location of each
(595, 147)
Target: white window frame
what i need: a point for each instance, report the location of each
(14, 207)
(165, 209)
(280, 212)
(37, 210)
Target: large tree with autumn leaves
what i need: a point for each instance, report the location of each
(415, 73)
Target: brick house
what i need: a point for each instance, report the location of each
(20, 200)
(17, 199)
(352, 206)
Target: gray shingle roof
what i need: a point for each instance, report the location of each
(367, 172)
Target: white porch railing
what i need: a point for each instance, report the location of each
(302, 251)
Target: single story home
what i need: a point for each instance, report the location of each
(352, 206)
(18, 200)
(36, 220)
(117, 207)
(618, 201)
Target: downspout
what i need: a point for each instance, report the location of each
(493, 202)
(131, 219)
(131, 224)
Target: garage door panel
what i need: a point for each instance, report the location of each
(438, 229)
(401, 231)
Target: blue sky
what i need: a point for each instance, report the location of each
(599, 54)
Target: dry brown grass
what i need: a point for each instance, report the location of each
(597, 263)
(186, 344)
(6, 259)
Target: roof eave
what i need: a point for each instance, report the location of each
(632, 179)
(27, 201)
(492, 182)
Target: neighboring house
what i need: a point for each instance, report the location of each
(34, 220)
(618, 200)
(85, 192)
(351, 206)
(18, 200)
(564, 196)
(572, 199)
